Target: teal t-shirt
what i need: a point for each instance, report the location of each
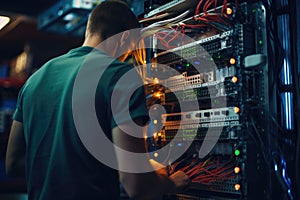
(58, 166)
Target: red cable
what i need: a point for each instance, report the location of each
(207, 5)
(224, 5)
(198, 7)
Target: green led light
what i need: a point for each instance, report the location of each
(253, 10)
(260, 42)
(211, 59)
(187, 65)
(237, 152)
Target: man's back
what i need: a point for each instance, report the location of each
(58, 165)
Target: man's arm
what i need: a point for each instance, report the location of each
(150, 185)
(16, 149)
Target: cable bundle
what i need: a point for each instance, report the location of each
(205, 172)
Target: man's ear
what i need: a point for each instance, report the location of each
(124, 37)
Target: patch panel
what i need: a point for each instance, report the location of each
(227, 186)
(182, 82)
(198, 134)
(202, 91)
(196, 49)
(176, 125)
(202, 116)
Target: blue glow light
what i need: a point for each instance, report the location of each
(286, 73)
(288, 110)
(179, 67)
(276, 167)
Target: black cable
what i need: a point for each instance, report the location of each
(270, 116)
(279, 64)
(269, 158)
(260, 140)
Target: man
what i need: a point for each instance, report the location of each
(44, 137)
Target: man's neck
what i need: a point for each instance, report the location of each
(92, 41)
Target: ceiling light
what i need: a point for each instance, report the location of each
(3, 21)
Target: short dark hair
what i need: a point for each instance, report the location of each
(110, 18)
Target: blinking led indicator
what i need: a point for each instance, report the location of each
(156, 80)
(237, 187)
(232, 61)
(236, 109)
(237, 170)
(237, 152)
(234, 79)
(157, 94)
(229, 11)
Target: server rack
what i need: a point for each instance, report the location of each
(231, 139)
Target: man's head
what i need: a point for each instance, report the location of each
(108, 19)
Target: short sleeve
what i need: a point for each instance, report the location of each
(129, 97)
(18, 114)
(137, 105)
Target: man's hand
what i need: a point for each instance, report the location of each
(181, 181)
(158, 167)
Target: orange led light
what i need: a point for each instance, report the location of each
(232, 61)
(159, 134)
(237, 170)
(157, 94)
(237, 186)
(236, 109)
(156, 81)
(234, 79)
(229, 11)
